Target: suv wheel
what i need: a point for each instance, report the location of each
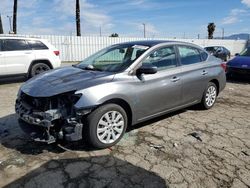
(106, 125)
(209, 96)
(38, 68)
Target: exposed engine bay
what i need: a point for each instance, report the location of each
(56, 116)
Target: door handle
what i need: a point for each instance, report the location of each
(27, 52)
(175, 79)
(204, 72)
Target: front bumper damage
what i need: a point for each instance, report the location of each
(49, 125)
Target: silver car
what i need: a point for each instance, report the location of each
(117, 87)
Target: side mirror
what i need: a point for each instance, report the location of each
(237, 54)
(147, 70)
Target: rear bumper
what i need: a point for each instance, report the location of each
(240, 71)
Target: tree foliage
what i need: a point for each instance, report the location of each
(114, 35)
(211, 28)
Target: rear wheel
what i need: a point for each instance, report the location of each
(38, 68)
(106, 125)
(209, 96)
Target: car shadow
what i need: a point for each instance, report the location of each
(156, 119)
(12, 79)
(13, 137)
(96, 171)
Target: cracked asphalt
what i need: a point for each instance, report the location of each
(188, 148)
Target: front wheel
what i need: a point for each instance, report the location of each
(209, 96)
(106, 125)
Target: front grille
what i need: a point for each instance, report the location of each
(38, 103)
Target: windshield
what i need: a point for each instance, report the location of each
(245, 52)
(113, 59)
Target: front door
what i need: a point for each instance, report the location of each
(161, 91)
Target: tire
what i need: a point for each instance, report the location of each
(38, 68)
(209, 96)
(108, 127)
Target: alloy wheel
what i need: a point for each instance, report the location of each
(211, 96)
(110, 127)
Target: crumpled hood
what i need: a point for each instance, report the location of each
(64, 80)
(240, 61)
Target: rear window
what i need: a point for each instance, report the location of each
(37, 45)
(15, 45)
(189, 55)
(204, 55)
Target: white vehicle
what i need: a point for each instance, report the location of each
(28, 56)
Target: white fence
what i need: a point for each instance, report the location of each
(74, 48)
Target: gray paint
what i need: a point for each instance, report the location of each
(148, 97)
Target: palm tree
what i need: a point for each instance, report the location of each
(78, 21)
(14, 16)
(211, 29)
(114, 35)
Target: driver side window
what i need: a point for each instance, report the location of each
(163, 58)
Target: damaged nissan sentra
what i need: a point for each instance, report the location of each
(119, 86)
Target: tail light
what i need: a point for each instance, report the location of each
(224, 66)
(57, 53)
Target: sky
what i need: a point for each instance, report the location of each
(162, 18)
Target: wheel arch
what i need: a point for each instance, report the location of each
(216, 82)
(45, 61)
(125, 105)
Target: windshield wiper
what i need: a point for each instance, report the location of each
(89, 67)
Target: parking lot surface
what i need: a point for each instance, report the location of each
(188, 148)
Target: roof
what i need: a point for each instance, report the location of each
(147, 42)
(16, 37)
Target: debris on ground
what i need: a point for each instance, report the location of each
(245, 153)
(175, 145)
(196, 135)
(156, 146)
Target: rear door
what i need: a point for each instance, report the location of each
(17, 56)
(161, 91)
(194, 73)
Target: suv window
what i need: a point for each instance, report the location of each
(15, 45)
(163, 58)
(0, 45)
(37, 45)
(189, 55)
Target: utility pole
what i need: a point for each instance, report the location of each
(78, 19)
(1, 25)
(100, 31)
(144, 30)
(10, 17)
(223, 32)
(15, 17)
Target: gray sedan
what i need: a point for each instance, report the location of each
(117, 87)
